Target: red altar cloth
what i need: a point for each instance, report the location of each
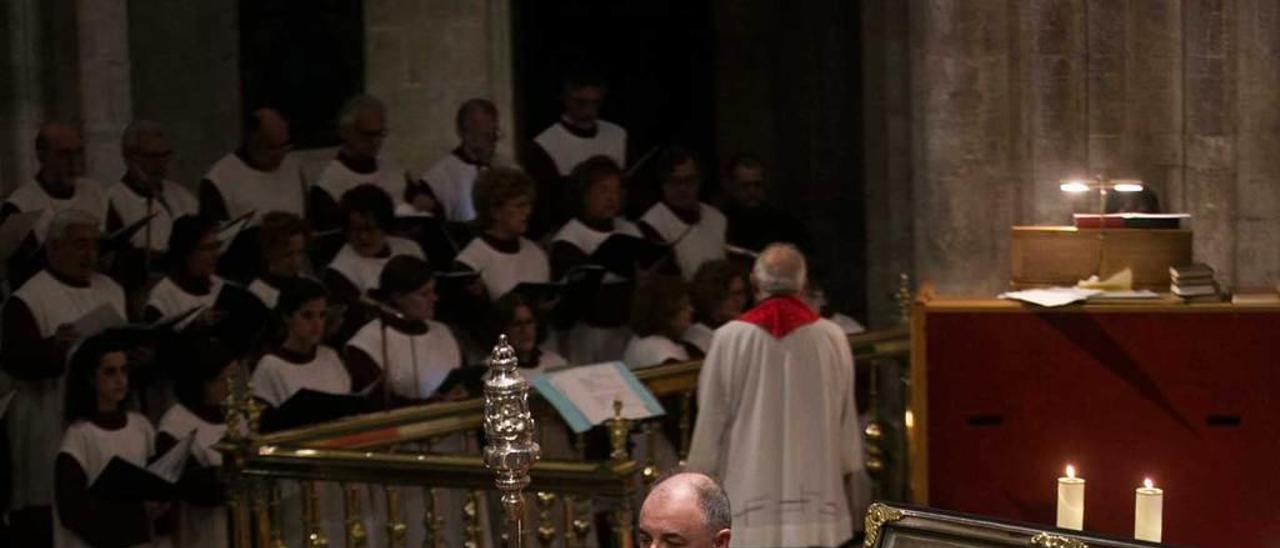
(1186, 395)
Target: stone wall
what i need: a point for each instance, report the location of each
(1006, 98)
(426, 58)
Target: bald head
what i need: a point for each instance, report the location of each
(685, 509)
(266, 138)
(780, 270)
(60, 152)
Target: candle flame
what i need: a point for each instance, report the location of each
(1148, 483)
(1071, 471)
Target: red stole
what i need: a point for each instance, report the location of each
(780, 315)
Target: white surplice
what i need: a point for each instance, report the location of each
(777, 424)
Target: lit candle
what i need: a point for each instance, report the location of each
(1148, 512)
(1071, 501)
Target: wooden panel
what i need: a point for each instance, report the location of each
(1063, 255)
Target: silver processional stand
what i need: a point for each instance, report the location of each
(510, 449)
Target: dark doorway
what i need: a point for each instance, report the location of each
(657, 57)
(304, 58)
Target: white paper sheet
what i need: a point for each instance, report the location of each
(1051, 296)
(594, 388)
(170, 465)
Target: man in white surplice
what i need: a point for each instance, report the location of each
(777, 421)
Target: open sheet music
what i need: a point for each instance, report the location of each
(584, 395)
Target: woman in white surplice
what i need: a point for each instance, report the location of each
(415, 354)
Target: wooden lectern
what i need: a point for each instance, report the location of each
(1062, 255)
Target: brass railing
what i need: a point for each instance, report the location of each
(393, 449)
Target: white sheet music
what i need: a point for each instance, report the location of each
(169, 466)
(98, 320)
(594, 388)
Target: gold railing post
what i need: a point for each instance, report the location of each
(397, 529)
(619, 430)
(241, 415)
(547, 531)
(471, 520)
(311, 516)
(261, 514)
(277, 518)
(509, 430)
(650, 472)
(357, 536)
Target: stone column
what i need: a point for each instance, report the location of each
(963, 108)
(1258, 155)
(106, 101)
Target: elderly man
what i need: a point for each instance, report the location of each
(451, 178)
(776, 415)
(39, 329)
(362, 124)
(260, 176)
(685, 509)
(753, 221)
(696, 230)
(58, 185)
(143, 191)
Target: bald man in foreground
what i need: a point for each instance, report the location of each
(685, 509)
(776, 415)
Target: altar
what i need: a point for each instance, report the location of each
(1005, 395)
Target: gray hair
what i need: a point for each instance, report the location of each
(712, 498)
(355, 105)
(63, 220)
(780, 270)
(136, 130)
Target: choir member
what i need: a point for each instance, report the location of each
(577, 136)
(191, 281)
(368, 214)
(515, 318)
(59, 185)
(817, 299)
(502, 255)
(201, 391)
(39, 330)
(259, 176)
(719, 292)
(660, 314)
(598, 332)
(300, 361)
(451, 178)
(753, 222)
(101, 428)
(776, 366)
(696, 230)
(283, 237)
(144, 191)
(421, 351)
(362, 124)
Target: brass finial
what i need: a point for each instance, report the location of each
(618, 430)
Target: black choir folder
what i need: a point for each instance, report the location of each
(621, 254)
(470, 377)
(579, 278)
(125, 481)
(309, 406)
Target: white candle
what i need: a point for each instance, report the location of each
(1071, 501)
(1148, 512)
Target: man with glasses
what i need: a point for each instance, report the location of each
(695, 230)
(259, 177)
(362, 124)
(59, 185)
(450, 179)
(753, 222)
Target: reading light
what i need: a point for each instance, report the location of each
(1074, 186)
(1127, 186)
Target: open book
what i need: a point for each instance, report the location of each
(584, 395)
(125, 481)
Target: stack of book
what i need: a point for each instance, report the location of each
(1194, 283)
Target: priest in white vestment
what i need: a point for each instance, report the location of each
(777, 422)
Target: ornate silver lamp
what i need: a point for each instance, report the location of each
(509, 432)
